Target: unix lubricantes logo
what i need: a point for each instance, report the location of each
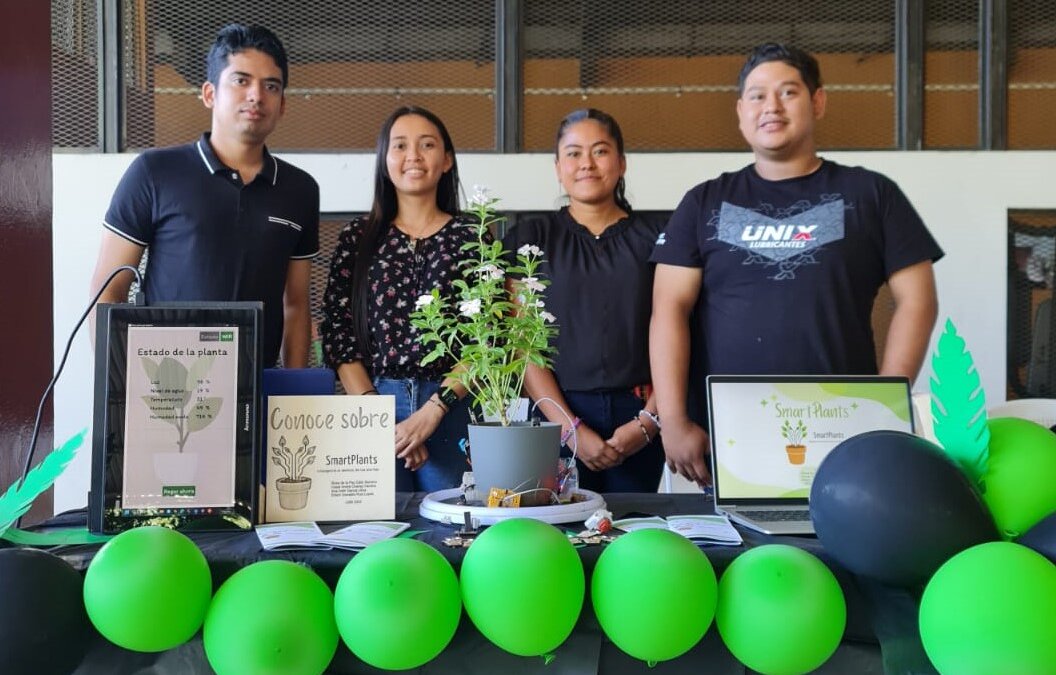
(778, 236)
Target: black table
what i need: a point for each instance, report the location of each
(881, 635)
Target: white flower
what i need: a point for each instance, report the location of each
(469, 307)
(491, 270)
(422, 301)
(480, 196)
(540, 303)
(530, 249)
(532, 284)
(548, 317)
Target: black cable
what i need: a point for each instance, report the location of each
(62, 364)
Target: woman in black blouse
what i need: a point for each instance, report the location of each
(596, 253)
(407, 245)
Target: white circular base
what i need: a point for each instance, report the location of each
(434, 507)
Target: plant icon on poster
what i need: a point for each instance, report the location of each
(794, 435)
(294, 486)
(179, 397)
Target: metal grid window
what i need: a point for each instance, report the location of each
(951, 74)
(351, 64)
(1031, 73)
(75, 74)
(667, 69)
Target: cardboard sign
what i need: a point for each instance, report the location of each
(330, 458)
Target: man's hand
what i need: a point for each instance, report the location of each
(686, 447)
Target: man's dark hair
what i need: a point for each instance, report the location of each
(806, 64)
(235, 38)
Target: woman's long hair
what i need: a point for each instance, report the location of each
(612, 127)
(384, 209)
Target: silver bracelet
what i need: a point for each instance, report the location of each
(655, 419)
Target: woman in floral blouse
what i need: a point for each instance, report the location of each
(407, 245)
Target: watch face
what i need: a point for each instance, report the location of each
(448, 397)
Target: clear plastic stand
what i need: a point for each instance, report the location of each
(442, 506)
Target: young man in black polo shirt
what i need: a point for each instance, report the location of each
(222, 218)
(782, 260)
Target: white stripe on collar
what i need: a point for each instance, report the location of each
(201, 153)
(275, 176)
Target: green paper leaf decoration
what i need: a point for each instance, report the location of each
(18, 498)
(958, 405)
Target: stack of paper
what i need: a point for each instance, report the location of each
(307, 535)
(701, 529)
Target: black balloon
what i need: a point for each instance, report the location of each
(44, 629)
(894, 507)
(1042, 537)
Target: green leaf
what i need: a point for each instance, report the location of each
(161, 408)
(203, 413)
(958, 405)
(172, 380)
(198, 370)
(150, 367)
(19, 497)
(430, 357)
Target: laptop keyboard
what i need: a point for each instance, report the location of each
(777, 516)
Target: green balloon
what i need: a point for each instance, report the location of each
(661, 612)
(271, 618)
(989, 609)
(148, 589)
(397, 604)
(1021, 474)
(523, 586)
(780, 610)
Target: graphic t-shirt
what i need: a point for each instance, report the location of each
(791, 267)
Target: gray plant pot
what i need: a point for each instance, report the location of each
(518, 457)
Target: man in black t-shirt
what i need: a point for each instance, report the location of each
(782, 260)
(221, 218)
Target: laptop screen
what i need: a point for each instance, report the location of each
(770, 433)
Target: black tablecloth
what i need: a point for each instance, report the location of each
(881, 635)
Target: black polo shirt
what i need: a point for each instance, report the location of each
(211, 237)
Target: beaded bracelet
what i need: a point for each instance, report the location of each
(644, 431)
(571, 430)
(654, 418)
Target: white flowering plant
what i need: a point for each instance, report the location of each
(490, 331)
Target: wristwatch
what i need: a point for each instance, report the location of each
(449, 397)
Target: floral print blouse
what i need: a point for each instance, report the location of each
(402, 270)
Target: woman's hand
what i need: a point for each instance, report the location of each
(628, 439)
(413, 432)
(593, 451)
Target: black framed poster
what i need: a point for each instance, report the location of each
(175, 429)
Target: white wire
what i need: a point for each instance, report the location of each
(571, 424)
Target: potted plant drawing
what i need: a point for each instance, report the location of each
(293, 487)
(794, 435)
(175, 399)
(493, 327)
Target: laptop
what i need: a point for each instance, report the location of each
(770, 433)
